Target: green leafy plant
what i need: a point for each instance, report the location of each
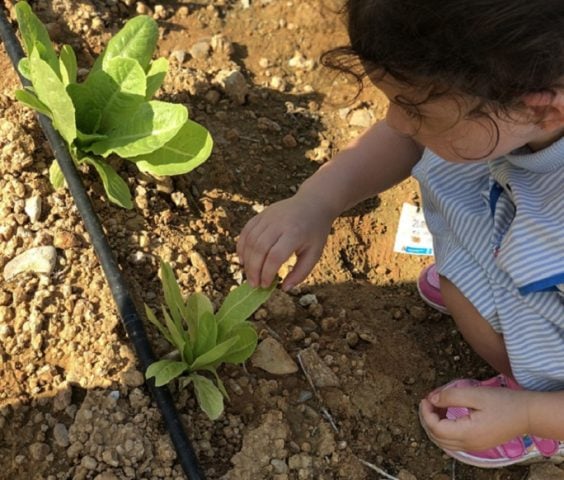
(111, 111)
(204, 339)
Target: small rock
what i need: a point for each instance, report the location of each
(418, 312)
(65, 240)
(179, 55)
(307, 300)
(289, 141)
(545, 471)
(37, 260)
(220, 44)
(352, 339)
(202, 275)
(317, 369)
(89, 462)
(32, 208)
(297, 334)
(405, 475)
(132, 378)
(361, 118)
(39, 451)
(329, 324)
(106, 476)
(200, 49)
(281, 306)
(264, 123)
(61, 435)
(279, 466)
(271, 357)
(233, 84)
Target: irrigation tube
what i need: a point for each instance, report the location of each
(128, 313)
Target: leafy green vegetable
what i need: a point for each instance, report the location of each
(191, 326)
(111, 112)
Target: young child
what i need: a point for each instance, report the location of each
(476, 114)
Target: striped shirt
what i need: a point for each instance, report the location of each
(498, 233)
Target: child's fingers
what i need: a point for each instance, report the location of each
(256, 250)
(461, 397)
(276, 256)
(247, 229)
(447, 433)
(306, 261)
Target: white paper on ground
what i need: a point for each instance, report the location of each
(412, 236)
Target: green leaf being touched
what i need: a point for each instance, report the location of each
(35, 36)
(51, 91)
(188, 149)
(208, 395)
(245, 345)
(151, 126)
(115, 186)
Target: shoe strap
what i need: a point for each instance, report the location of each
(546, 446)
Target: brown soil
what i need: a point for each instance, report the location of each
(72, 402)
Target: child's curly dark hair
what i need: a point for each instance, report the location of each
(494, 50)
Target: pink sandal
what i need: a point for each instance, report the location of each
(520, 450)
(429, 288)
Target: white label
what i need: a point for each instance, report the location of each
(412, 236)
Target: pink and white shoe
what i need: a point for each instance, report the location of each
(430, 290)
(522, 450)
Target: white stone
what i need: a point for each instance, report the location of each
(271, 357)
(32, 208)
(38, 260)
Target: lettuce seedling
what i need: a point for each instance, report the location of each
(204, 339)
(111, 112)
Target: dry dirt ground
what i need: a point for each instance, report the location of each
(73, 404)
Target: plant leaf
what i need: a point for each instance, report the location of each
(206, 333)
(83, 139)
(197, 305)
(208, 395)
(136, 40)
(188, 149)
(160, 327)
(165, 370)
(214, 356)
(151, 126)
(51, 91)
(30, 99)
(56, 176)
(176, 334)
(108, 96)
(220, 384)
(115, 186)
(239, 305)
(245, 346)
(34, 32)
(68, 65)
(23, 68)
(173, 297)
(155, 76)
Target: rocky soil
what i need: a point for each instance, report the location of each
(333, 389)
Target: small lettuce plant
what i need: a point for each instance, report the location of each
(203, 339)
(111, 111)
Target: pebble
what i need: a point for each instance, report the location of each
(37, 260)
(297, 334)
(352, 339)
(321, 375)
(405, 475)
(233, 84)
(280, 466)
(89, 462)
(39, 451)
(179, 55)
(307, 300)
(271, 357)
(61, 435)
(32, 208)
(200, 49)
(65, 240)
(361, 118)
(289, 141)
(281, 306)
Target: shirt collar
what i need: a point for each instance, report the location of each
(544, 161)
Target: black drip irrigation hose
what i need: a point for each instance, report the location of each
(128, 313)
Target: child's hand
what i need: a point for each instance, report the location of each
(295, 225)
(497, 415)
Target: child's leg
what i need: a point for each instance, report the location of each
(485, 341)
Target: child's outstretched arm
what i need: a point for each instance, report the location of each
(374, 162)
